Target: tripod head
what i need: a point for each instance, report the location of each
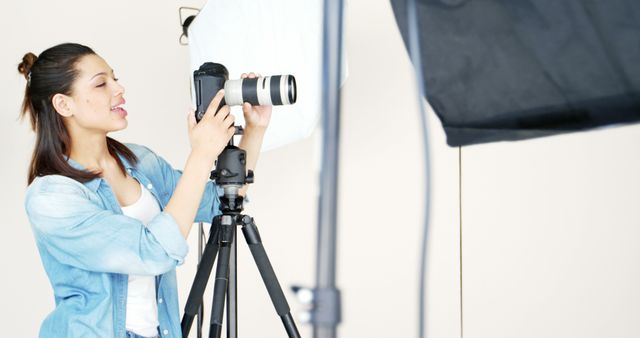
(231, 175)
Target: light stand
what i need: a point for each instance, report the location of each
(325, 314)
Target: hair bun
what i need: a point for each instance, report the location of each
(27, 62)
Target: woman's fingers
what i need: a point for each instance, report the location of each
(229, 120)
(230, 132)
(223, 113)
(191, 119)
(214, 105)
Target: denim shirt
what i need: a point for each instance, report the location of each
(88, 248)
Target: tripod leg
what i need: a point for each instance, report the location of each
(222, 277)
(232, 290)
(269, 278)
(194, 302)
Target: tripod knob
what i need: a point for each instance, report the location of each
(221, 174)
(249, 178)
(226, 173)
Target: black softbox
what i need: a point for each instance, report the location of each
(499, 70)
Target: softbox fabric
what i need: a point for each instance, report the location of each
(498, 70)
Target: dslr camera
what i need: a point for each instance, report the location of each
(266, 90)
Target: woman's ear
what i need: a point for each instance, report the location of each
(62, 104)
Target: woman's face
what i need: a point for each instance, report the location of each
(97, 98)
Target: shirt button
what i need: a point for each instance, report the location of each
(129, 171)
(149, 186)
(160, 300)
(165, 332)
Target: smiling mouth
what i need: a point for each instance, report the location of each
(119, 110)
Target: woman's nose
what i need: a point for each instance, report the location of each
(119, 89)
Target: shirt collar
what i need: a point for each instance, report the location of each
(95, 183)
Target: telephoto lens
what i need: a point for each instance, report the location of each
(271, 90)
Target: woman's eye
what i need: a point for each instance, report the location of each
(101, 85)
(115, 79)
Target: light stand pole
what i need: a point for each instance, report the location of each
(326, 312)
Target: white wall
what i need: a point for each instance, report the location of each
(549, 227)
(551, 236)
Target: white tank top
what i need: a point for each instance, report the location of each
(142, 309)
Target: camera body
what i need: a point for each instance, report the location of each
(268, 90)
(208, 80)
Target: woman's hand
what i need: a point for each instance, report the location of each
(209, 136)
(256, 117)
(256, 121)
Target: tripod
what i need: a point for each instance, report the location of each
(230, 175)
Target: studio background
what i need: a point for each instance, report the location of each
(538, 238)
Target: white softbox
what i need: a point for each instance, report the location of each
(268, 37)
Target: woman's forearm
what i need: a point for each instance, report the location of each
(251, 143)
(185, 200)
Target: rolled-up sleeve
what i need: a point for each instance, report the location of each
(209, 204)
(166, 231)
(78, 231)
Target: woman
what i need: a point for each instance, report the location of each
(110, 220)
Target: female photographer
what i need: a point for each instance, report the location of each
(110, 219)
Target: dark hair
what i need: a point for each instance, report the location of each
(54, 72)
